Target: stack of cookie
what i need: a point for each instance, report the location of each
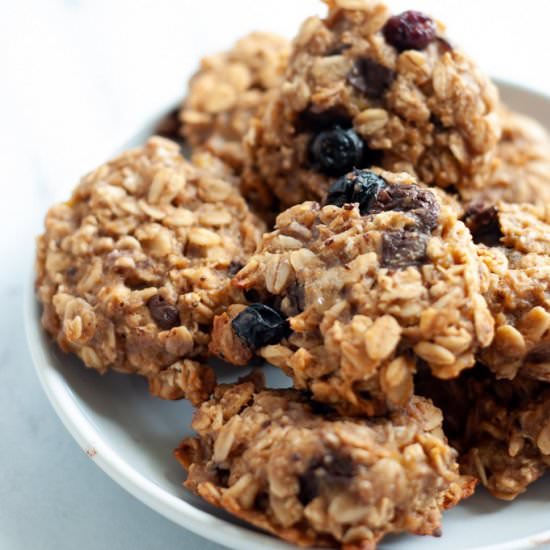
(361, 211)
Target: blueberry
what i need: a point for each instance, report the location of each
(361, 186)
(260, 325)
(410, 30)
(165, 315)
(335, 152)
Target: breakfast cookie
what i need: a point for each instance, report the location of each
(347, 298)
(364, 88)
(521, 170)
(133, 268)
(514, 248)
(313, 478)
(500, 427)
(228, 90)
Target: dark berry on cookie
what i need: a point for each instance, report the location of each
(260, 325)
(482, 221)
(412, 199)
(410, 30)
(335, 152)
(361, 186)
(165, 315)
(333, 469)
(401, 249)
(370, 78)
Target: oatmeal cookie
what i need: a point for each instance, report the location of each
(317, 479)
(514, 250)
(500, 427)
(133, 268)
(521, 171)
(228, 90)
(364, 88)
(350, 296)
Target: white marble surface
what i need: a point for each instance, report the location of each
(78, 78)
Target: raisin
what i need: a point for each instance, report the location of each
(361, 186)
(165, 315)
(332, 469)
(259, 325)
(410, 30)
(412, 199)
(370, 77)
(483, 223)
(402, 248)
(335, 152)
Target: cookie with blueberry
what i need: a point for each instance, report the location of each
(351, 296)
(133, 268)
(365, 88)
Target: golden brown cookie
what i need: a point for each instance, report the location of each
(133, 268)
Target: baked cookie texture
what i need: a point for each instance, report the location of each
(317, 479)
(513, 249)
(133, 268)
(228, 90)
(358, 91)
(521, 169)
(369, 290)
(501, 428)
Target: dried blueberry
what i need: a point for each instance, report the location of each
(410, 30)
(260, 325)
(335, 152)
(361, 186)
(165, 315)
(483, 223)
(402, 248)
(370, 78)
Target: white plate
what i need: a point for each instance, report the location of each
(130, 435)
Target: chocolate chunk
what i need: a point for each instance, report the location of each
(483, 223)
(370, 77)
(259, 325)
(412, 199)
(165, 315)
(401, 248)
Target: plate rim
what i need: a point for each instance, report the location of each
(177, 510)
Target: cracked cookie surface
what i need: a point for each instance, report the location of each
(317, 479)
(132, 269)
(369, 290)
(352, 96)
